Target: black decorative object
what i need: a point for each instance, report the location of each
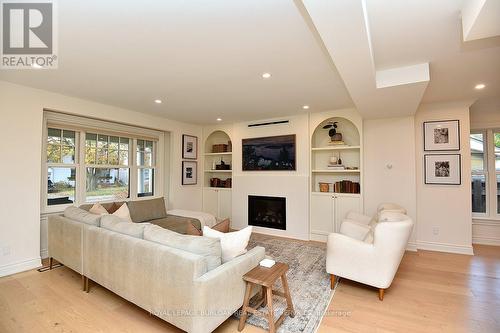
(332, 126)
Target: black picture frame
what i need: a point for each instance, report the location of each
(426, 172)
(192, 178)
(428, 145)
(189, 152)
(268, 146)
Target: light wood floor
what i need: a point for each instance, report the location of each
(432, 292)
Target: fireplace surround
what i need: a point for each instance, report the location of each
(268, 212)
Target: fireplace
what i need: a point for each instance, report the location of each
(268, 212)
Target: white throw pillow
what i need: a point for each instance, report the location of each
(123, 213)
(98, 209)
(233, 243)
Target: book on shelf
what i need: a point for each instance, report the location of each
(335, 167)
(346, 186)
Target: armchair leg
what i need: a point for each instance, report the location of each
(381, 294)
(332, 281)
(51, 263)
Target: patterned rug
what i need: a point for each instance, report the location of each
(308, 282)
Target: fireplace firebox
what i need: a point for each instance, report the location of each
(268, 212)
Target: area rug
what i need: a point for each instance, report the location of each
(308, 282)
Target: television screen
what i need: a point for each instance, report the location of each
(269, 153)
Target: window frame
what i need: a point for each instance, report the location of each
(492, 214)
(81, 126)
(483, 172)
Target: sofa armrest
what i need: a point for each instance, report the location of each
(219, 292)
(354, 229)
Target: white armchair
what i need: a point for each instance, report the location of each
(358, 226)
(375, 260)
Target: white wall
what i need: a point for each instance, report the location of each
(290, 184)
(21, 141)
(389, 166)
(446, 207)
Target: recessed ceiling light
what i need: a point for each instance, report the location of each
(266, 75)
(158, 101)
(219, 119)
(480, 86)
(305, 107)
(36, 66)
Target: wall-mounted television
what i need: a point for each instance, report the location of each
(272, 153)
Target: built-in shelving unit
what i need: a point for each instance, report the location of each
(327, 209)
(217, 200)
(211, 158)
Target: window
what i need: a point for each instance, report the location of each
(478, 166)
(61, 167)
(485, 165)
(107, 167)
(97, 165)
(145, 168)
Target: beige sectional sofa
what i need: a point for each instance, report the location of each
(173, 284)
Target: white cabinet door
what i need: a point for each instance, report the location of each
(210, 201)
(225, 206)
(322, 216)
(344, 205)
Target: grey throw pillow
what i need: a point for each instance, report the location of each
(210, 248)
(81, 215)
(147, 210)
(116, 224)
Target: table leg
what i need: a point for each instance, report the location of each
(270, 308)
(263, 296)
(289, 303)
(244, 312)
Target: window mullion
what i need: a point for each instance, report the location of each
(133, 169)
(80, 172)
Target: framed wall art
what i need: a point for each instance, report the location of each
(189, 173)
(189, 147)
(442, 135)
(442, 169)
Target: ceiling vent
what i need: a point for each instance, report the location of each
(269, 123)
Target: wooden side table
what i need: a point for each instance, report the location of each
(266, 277)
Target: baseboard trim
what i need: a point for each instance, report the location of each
(19, 267)
(444, 247)
(412, 247)
(486, 241)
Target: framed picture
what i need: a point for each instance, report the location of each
(269, 153)
(189, 173)
(444, 169)
(442, 135)
(189, 147)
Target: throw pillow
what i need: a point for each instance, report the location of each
(123, 213)
(222, 226)
(98, 209)
(114, 207)
(233, 243)
(210, 248)
(116, 224)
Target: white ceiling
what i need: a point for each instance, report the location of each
(414, 31)
(205, 58)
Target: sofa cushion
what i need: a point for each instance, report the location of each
(210, 248)
(116, 224)
(391, 216)
(81, 215)
(147, 210)
(177, 223)
(233, 243)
